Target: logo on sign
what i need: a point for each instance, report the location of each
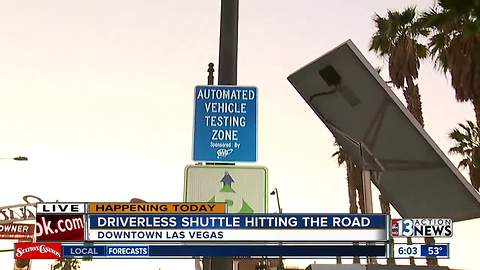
(27, 251)
(422, 227)
(222, 153)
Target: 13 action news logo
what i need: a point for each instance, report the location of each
(422, 227)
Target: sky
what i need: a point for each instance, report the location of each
(99, 96)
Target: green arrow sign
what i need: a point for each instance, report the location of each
(242, 188)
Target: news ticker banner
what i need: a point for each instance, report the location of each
(47, 250)
(66, 221)
(190, 222)
(36, 250)
(238, 227)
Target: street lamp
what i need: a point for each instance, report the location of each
(19, 158)
(280, 265)
(275, 192)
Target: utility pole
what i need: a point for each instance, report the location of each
(227, 60)
(227, 75)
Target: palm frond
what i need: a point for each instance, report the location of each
(408, 16)
(456, 150)
(340, 154)
(422, 51)
(463, 163)
(466, 144)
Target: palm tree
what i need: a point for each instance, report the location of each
(455, 46)
(467, 144)
(354, 179)
(66, 264)
(396, 38)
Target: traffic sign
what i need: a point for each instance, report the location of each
(242, 188)
(225, 127)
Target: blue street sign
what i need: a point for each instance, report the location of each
(225, 124)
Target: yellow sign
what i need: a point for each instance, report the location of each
(157, 208)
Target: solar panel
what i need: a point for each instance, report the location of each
(377, 131)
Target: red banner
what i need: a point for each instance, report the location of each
(17, 231)
(27, 251)
(60, 228)
(23, 264)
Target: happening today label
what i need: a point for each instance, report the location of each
(157, 208)
(225, 123)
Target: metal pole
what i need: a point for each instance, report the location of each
(278, 201)
(280, 265)
(367, 200)
(227, 61)
(207, 261)
(367, 191)
(227, 75)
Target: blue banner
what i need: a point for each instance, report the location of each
(118, 251)
(102, 251)
(237, 221)
(82, 251)
(247, 250)
(225, 124)
(172, 251)
(434, 250)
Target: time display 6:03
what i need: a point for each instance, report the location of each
(407, 250)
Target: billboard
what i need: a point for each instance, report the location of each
(17, 231)
(60, 222)
(60, 227)
(242, 188)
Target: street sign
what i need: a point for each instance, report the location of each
(242, 188)
(225, 127)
